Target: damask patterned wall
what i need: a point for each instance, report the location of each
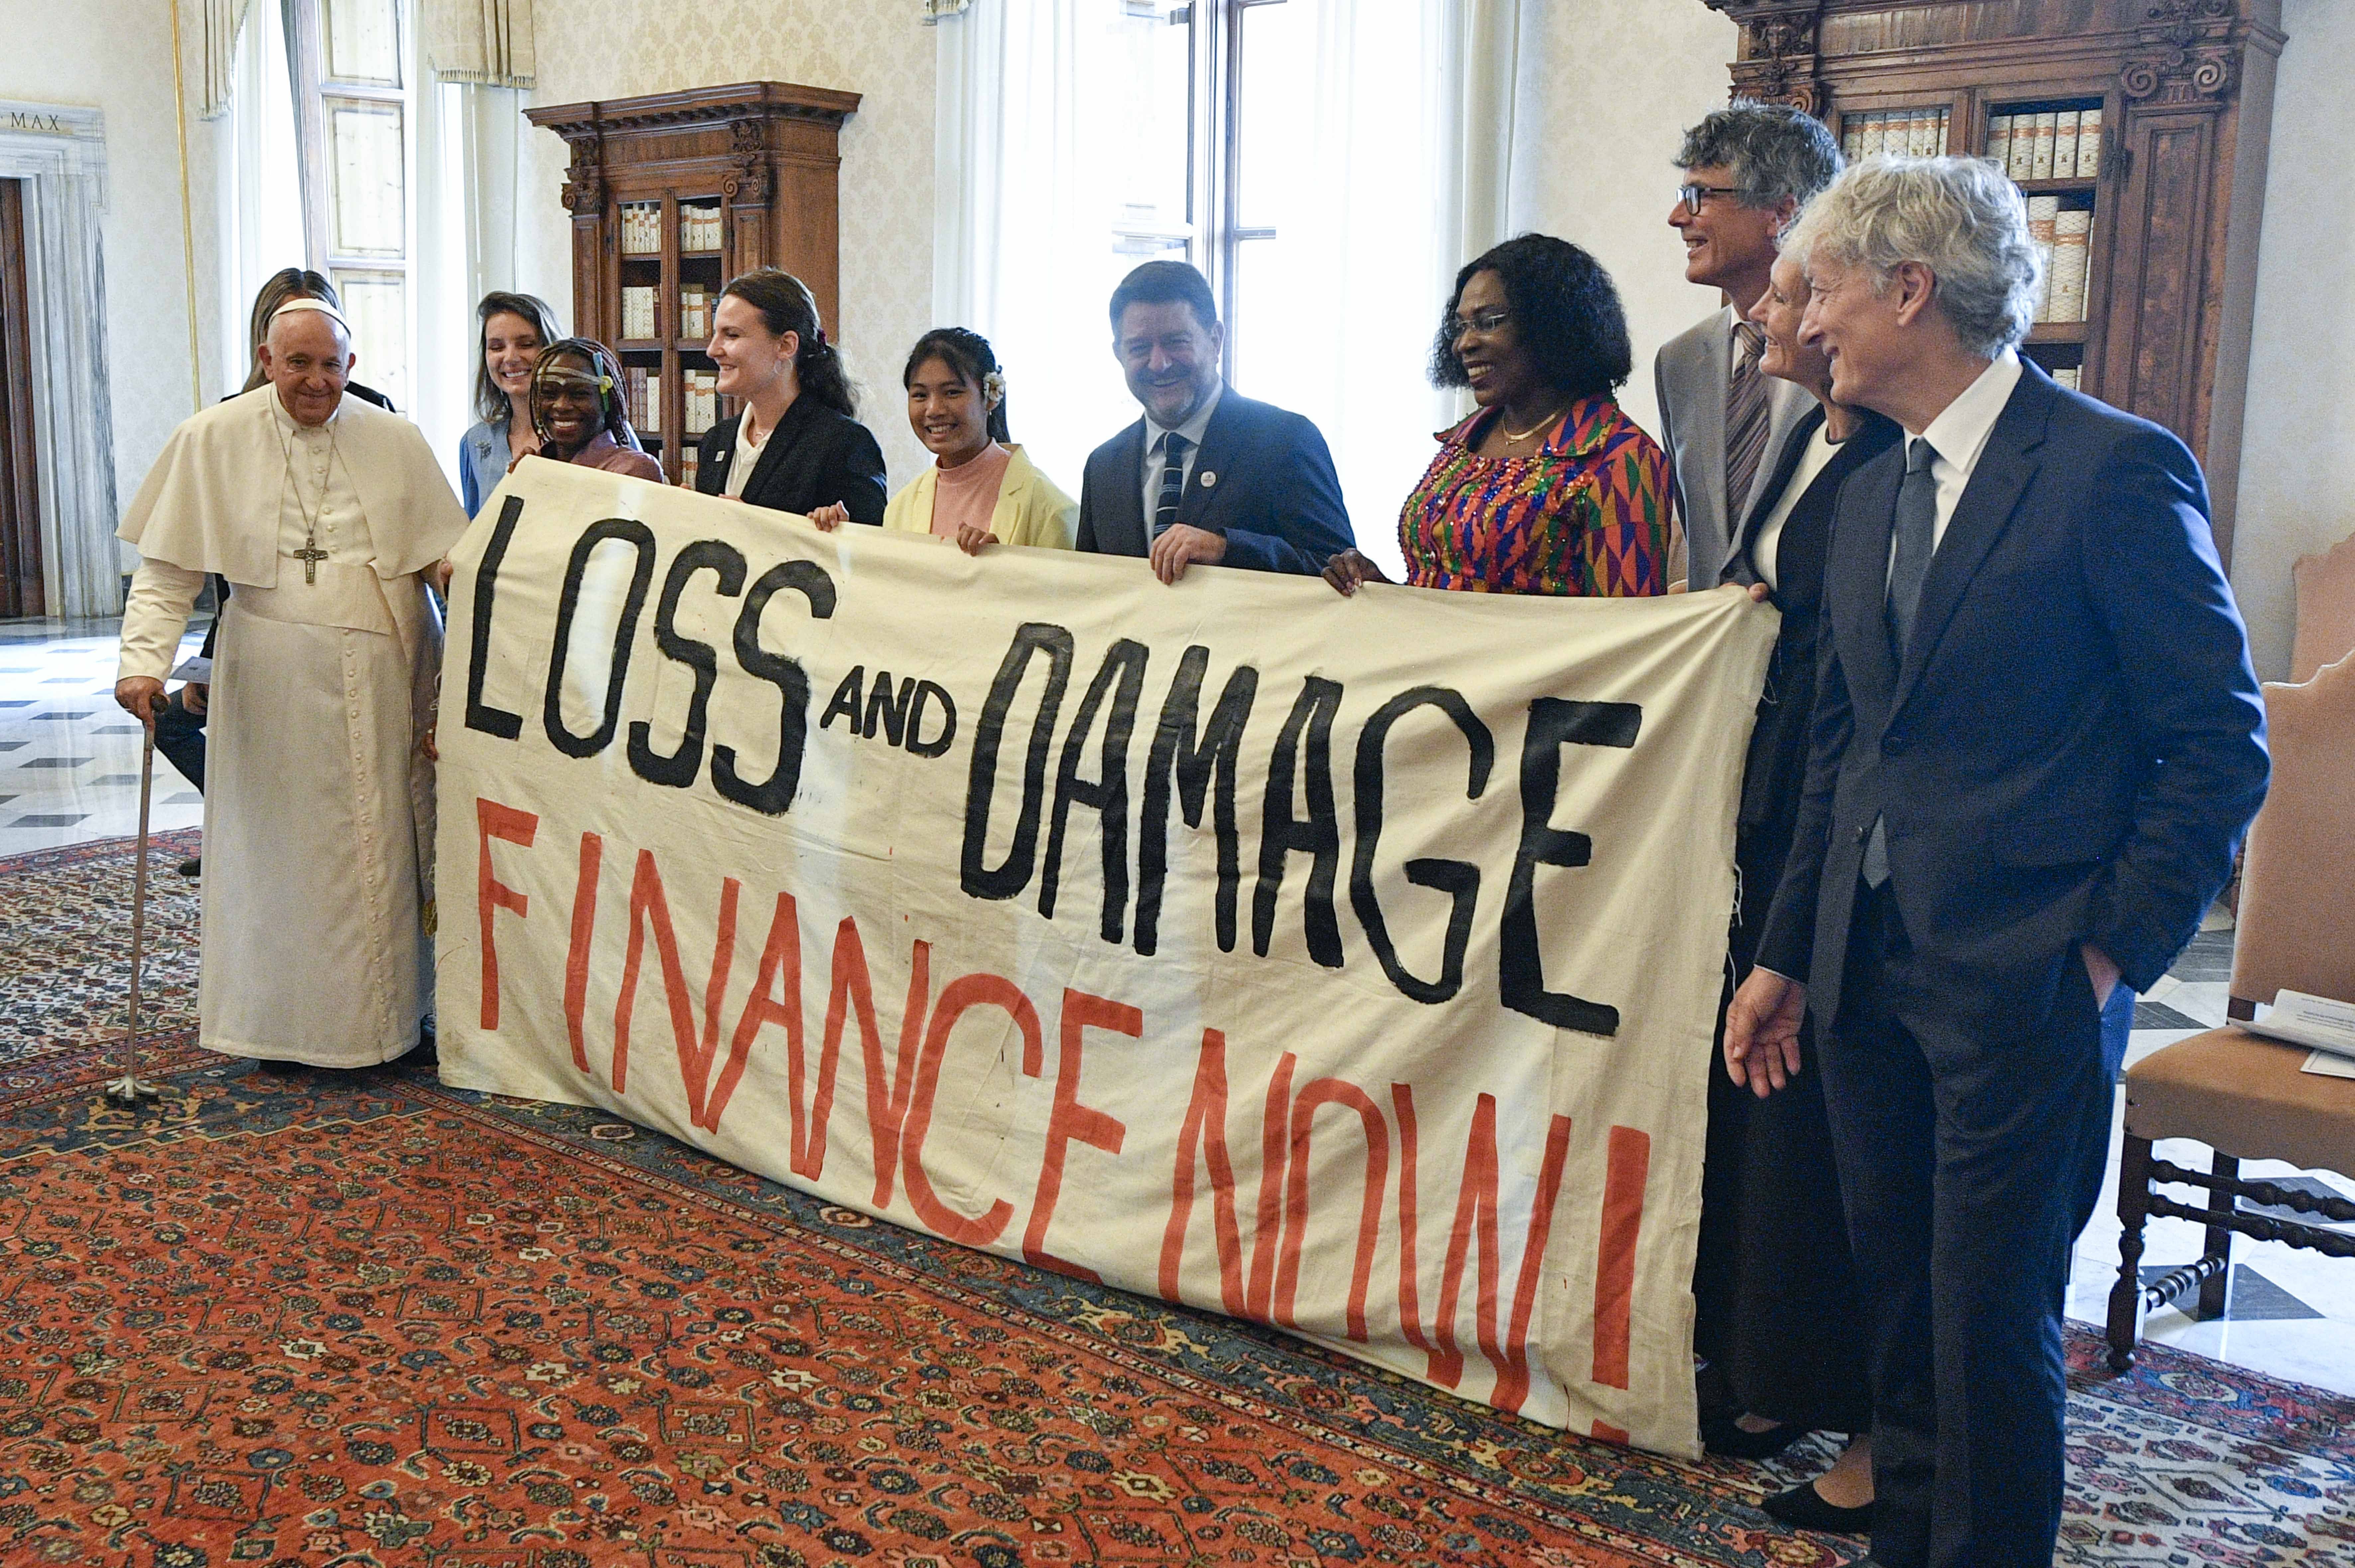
(617, 49)
(1603, 104)
(126, 71)
(2297, 468)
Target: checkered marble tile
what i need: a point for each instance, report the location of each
(68, 756)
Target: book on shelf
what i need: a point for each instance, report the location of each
(2019, 142)
(2043, 214)
(2072, 235)
(2067, 376)
(1907, 133)
(638, 312)
(702, 390)
(653, 426)
(689, 461)
(698, 227)
(641, 228)
(694, 311)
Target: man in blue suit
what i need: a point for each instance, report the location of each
(2038, 738)
(1206, 475)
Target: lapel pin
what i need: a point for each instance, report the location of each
(1208, 479)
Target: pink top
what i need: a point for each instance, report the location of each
(609, 454)
(967, 494)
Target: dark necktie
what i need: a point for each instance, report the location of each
(1915, 531)
(1746, 419)
(1173, 482)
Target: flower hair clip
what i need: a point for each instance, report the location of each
(992, 386)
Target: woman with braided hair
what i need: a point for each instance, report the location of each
(578, 410)
(982, 489)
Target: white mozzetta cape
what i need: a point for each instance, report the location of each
(211, 501)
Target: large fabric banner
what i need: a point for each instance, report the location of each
(1345, 964)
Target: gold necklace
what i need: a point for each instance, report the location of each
(1533, 429)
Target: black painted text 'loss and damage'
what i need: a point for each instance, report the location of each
(1192, 764)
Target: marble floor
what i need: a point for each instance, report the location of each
(68, 756)
(70, 771)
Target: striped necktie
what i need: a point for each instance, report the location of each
(1745, 429)
(1173, 482)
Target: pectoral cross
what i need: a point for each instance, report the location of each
(310, 555)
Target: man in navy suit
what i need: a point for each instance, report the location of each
(1206, 475)
(2038, 738)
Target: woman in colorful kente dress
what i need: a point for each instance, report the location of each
(1550, 488)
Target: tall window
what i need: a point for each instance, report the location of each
(1215, 162)
(1305, 154)
(351, 100)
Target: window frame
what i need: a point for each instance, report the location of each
(314, 87)
(1216, 130)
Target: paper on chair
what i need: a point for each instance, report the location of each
(2322, 1063)
(2312, 1021)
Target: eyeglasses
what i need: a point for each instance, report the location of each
(1693, 195)
(1482, 322)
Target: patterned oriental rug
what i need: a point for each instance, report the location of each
(372, 1320)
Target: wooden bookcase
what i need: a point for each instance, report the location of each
(758, 158)
(2185, 89)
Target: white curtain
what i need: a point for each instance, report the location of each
(484, 42)
(259, 186)
(1022, 247)
(469, 152)
(1394, 170)
(219, 23)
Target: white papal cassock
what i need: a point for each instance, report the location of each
(318, 799)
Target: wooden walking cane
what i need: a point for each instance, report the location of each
(130, 1088)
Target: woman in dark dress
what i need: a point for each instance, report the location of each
(1778, 1315)
(795, 442)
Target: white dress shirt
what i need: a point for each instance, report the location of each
(1764, 553)
(747, 457)
(1156, 437)
(1959, 434)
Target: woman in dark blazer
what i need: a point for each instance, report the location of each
(1777, 1308)
(795, 443)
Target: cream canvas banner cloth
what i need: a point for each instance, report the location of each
(1342, 964)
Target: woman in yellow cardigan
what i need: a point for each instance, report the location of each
(981, 489)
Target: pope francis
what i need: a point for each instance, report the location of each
(327, 516)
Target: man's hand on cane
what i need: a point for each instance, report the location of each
(139, 694)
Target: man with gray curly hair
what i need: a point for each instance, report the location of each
(2037, 739)
(1749, 168)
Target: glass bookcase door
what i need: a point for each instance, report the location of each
(2055, 149)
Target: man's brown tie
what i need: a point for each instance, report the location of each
(1745, 429)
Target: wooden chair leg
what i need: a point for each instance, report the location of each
(2216, 1290)
(2134, 1212)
